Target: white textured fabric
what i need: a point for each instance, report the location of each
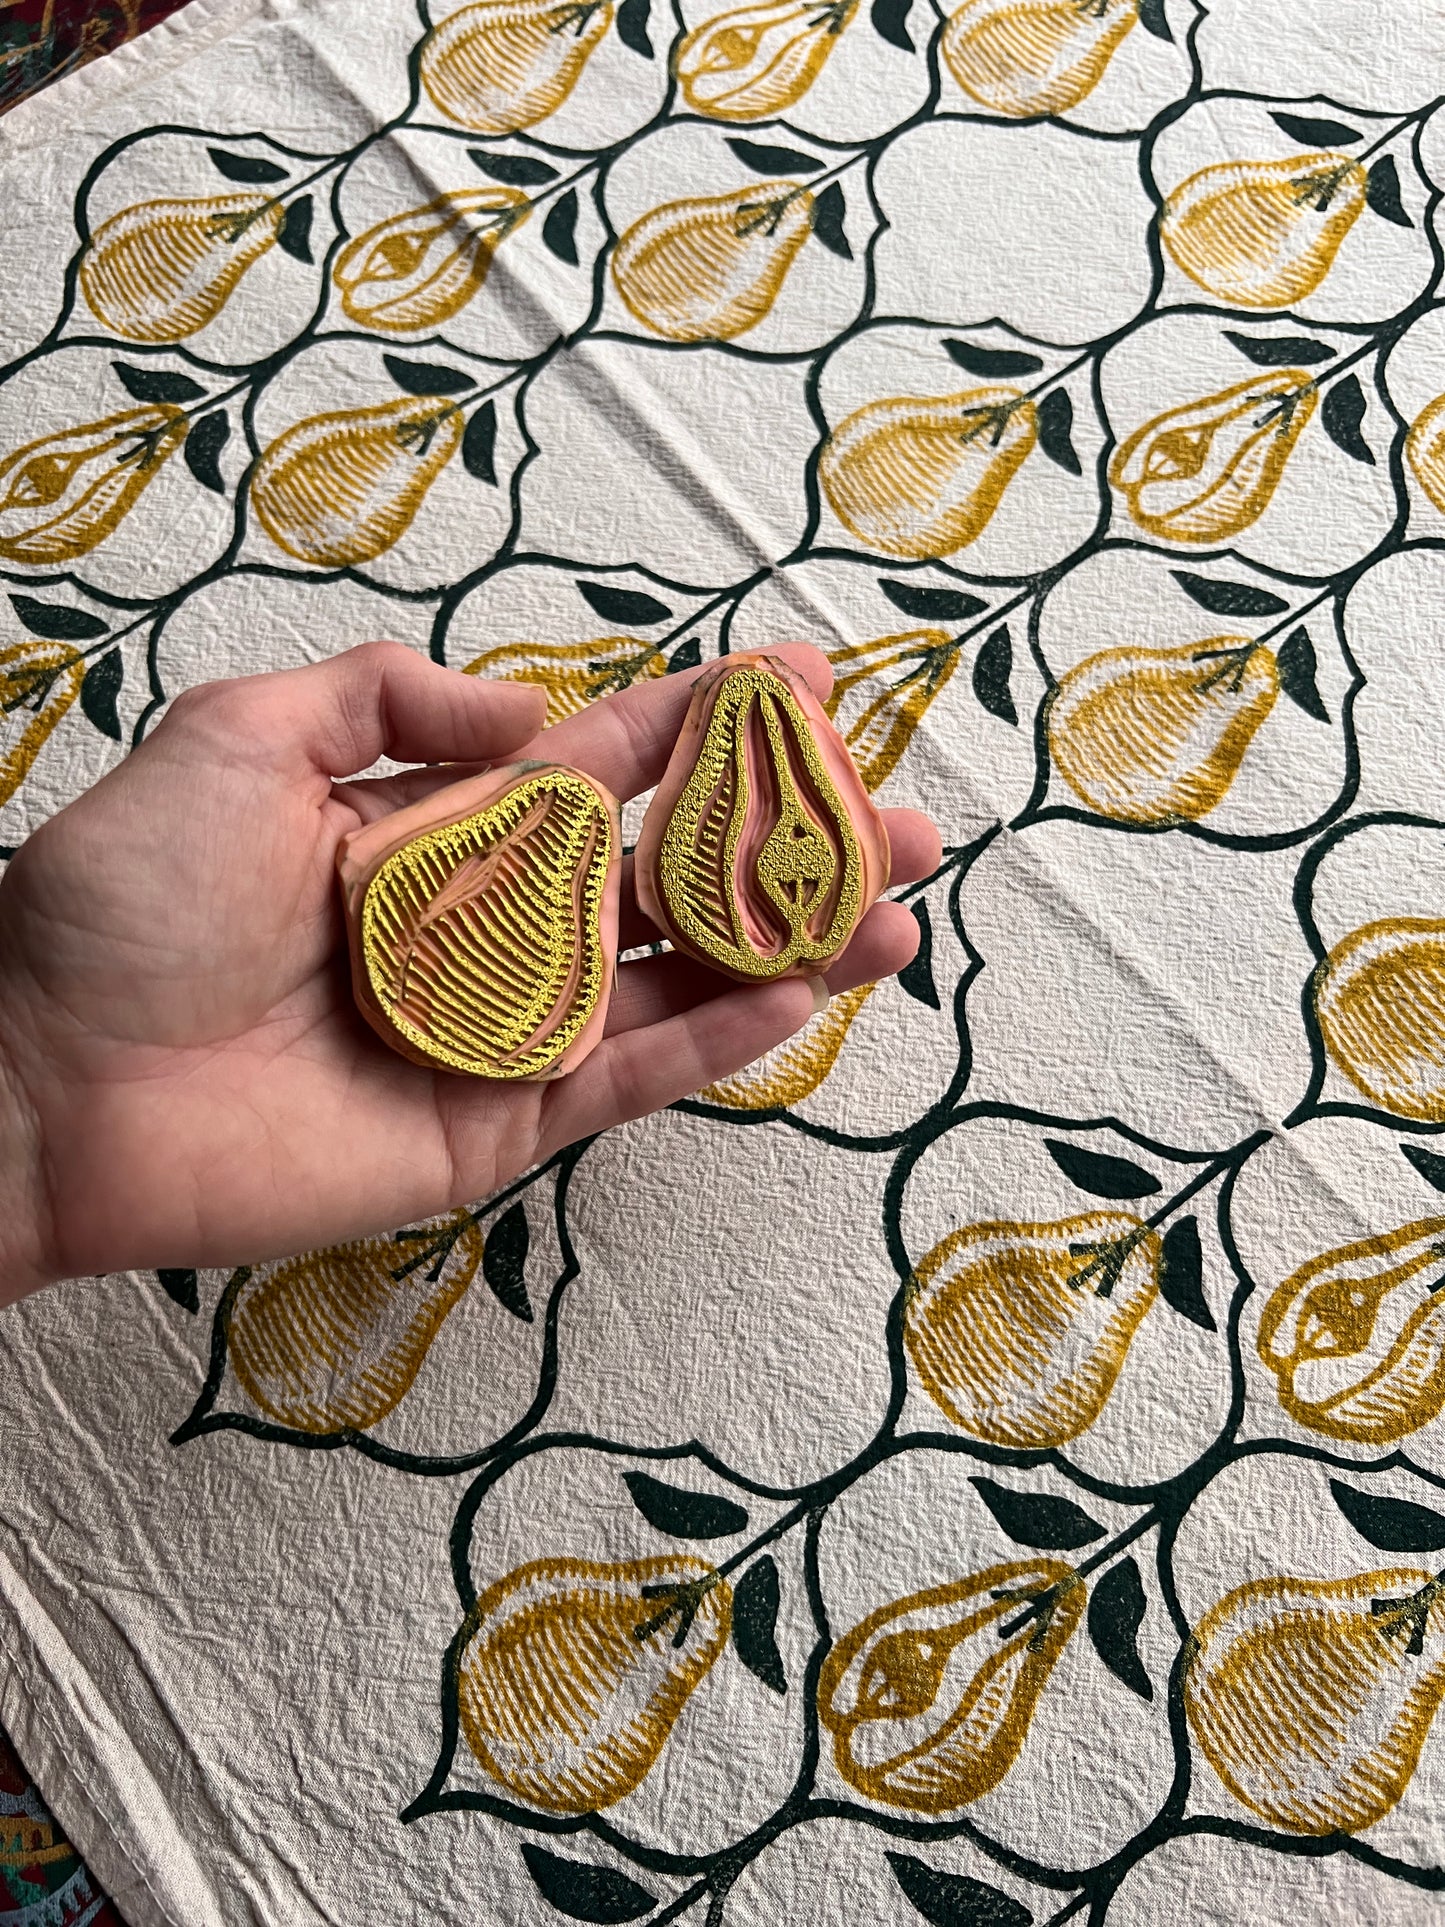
(984, 1464)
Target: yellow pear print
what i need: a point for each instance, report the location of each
(1024, 57)
(161, 270)
(1379, 997)
(572, 673)
(1017, 1332)
(418, 269)
(881, 692)
(1311, 1698)
(335, 1338)
(709, 269)
(1263, 234)
(1356, 1336)
(1205, 472)
(920, 476)
(62, 495)
(1425, 451)
(794, 1069)
(1156, 736)
(343, 487)
(756, 61)
(38, 683)
(503, 64)
(929, 1700)
(573, 1674)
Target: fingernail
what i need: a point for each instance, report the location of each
(820, 995)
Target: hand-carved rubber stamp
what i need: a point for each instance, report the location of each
(761, 849)
(483, 922)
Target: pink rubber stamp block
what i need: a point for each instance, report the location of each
(761, 849)
(483, 922)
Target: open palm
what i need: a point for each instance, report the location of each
(189, 1081)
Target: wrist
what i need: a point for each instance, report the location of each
(25, 1214)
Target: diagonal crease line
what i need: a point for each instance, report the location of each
(794, 583)
(118, 1790)
(528, 309)
(673, 453)
(1051, 879)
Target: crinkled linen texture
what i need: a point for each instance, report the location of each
(228, 1656)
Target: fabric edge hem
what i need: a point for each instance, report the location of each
(96, 1840)
(169, 44)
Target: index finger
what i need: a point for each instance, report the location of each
(625, 740)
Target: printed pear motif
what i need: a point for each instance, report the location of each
(919, 477)
(163, 269)
(38, 683)
(1425, 451)
(504, 64)
(1312, 1698)
(1263, 234)
(1379, 997)
(929, 1701)
(335, 1338)
(1205, 472)
(1024, 57)
(573, 1674)
(1356, 1337)
(794, 1069)
(881, 693)
(418, 269)
(483, 922)
(62, 495)
(1018, 1332)
(709, 269)
(572, 673)
(1157, 736)
(343, 487)
(756, 61)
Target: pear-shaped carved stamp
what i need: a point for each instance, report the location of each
(483, 922)
(761, 848)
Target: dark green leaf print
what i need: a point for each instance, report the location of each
(991, 364)
(929, 604)
(955, 1899)
(479, 444)
(1429, 1164)
(157, 384)
(916, 978)
(1392, 1525)
(1116, 1612)
(993, 669)
(58, 621)
(584, 1891)
(504, 1261)
(764, 159)
(756, 1599)
(513, 170)
(1181, 1274)
(1342, 415)
(1038, 1519)
(683, 1514)
(1298, 671)
(1229, 598)
(627, 606)
(249, 168)
(100, 692)
(428, 378)
(1096, 1171)
(202, 449)
(559, 230)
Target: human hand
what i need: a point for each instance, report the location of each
(184, 1077)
